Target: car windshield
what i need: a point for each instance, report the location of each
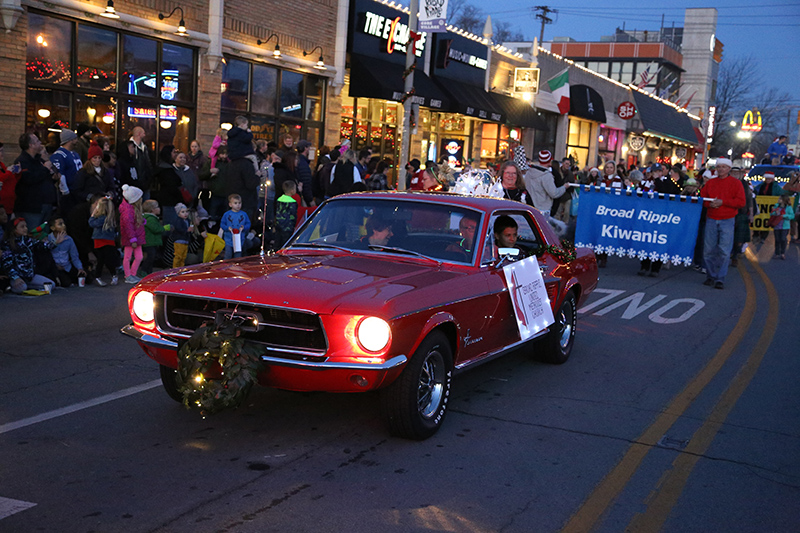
(377, 225)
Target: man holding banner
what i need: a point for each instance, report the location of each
(728, 198)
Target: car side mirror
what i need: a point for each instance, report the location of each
(507, 255)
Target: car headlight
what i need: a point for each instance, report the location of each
(143, 306)
(373, 334)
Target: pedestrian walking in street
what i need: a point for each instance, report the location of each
(728, 198)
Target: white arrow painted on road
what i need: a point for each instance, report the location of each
(9, 506)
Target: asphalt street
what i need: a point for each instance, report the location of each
(678, 411)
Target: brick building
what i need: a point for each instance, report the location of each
(67, 62)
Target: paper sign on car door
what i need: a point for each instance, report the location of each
(528, 296)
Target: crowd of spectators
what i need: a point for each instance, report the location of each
(81, 212)
(78, 208)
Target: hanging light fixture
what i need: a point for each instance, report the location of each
(320, 64)
(277, 52)
(110, 12)
(181, 25)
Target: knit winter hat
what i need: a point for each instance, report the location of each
(67, 135)
(520, 158)
(545, 157)
(131, 194)
(180, 207)
(94, 150)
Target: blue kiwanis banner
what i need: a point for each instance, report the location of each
(643, 227)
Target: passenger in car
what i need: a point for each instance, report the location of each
(466, 228)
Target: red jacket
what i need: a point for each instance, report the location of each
(728, 189)
(7, 195)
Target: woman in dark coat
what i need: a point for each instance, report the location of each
(167, 183)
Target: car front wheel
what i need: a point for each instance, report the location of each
(556, 345)
(169, 379)
(415, 404)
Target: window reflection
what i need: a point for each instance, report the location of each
(139, 66)
(292, 94)
(49, 46)
(177, 70)
(235, 84)
(97, 58)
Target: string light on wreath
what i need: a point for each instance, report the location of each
(217, 367)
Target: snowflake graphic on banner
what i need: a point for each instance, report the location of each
(631, 252)
(621, 252)
(653, 256)
(664, 257)
(599, 249)
(676, 259)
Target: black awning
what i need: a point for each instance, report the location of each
(519, 112)
(470, 100)
(375, 78)
(664, 120)
(586, 103)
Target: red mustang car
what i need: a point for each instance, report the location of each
(390, 291)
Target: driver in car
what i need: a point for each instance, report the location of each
(379, 231)
(505, 232)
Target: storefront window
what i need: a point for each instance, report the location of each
(376, 110)
(235, 84)
(177, 69)
(174, 127)
(48, 111)
(265, 89)
(315, 91)
(288, 127)
(391, 112)
(49, 49)
(97, 58)
(489, 138)
(117, 81)
(262, 127)
(578, 141)
(139, 64)
(97, 110)
(292, 94)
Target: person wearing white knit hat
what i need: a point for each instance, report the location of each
(728, 197)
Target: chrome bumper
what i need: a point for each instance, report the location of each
(159, 342)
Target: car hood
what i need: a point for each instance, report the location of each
(315, 283)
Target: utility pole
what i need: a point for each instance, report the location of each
(542, 12)
(408, 103)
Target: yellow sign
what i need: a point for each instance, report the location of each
(764, 205)
(751, 120)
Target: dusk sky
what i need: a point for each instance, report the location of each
(766, 30)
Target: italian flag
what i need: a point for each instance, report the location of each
(559, 88)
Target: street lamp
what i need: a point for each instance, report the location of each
(181, 25)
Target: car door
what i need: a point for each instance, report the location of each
(502, 321)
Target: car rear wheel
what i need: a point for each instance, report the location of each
(556, 345)
(415, 404)
(169, 379)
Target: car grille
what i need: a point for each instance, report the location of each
(295, 334)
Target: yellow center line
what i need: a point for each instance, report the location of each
(614, 482)
(673, 482)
